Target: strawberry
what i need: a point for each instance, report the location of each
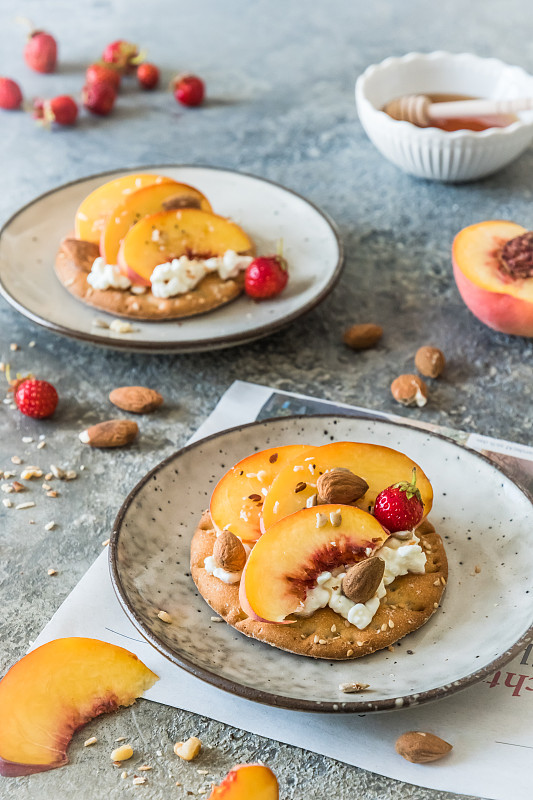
(40, 52)
(266, 276)
(188, 90)
(99, 98)
(61, 109)
(400, 506)
(10, 94)
(103, 73)
(124, 55)
(148, 75)
(35, 398)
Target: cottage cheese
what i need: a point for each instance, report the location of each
(107, 276)
(222, 574)
(182, 274)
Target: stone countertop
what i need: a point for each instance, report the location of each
(280, 82)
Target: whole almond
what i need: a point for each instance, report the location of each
(136, 399)
(362, 580)
(81, 252)
(430, 361)
(409, 390)
(113, 433)
(420, 747)
(340, 486)
(362, 337)
(229, 552)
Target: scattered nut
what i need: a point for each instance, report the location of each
(362, 337)
(89, 742)
(335, 518)
(120, 326)
(409, 390)
(122, 753)
(18, 487)
(52, 571)
(137, 781)
(31, 472)
(340, 486)
(430, 361)
(113, 433)
(362, 580)
(350, 688)
(164, 616)
(188, 750)
(57, 472)
(420, 747)
(136, 399)
(229, 552)
(49, 526)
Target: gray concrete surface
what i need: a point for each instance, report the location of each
(280, 83)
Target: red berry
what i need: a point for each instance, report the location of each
(266, 277)
(36, 398)
(122, 54)
(148, 75)
(189, 90)
(103, 73)
(10, 94)
(400, 506)
(99, 98)
(40, 52)
(62, 109)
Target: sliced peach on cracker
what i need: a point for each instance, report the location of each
(148, 200)
(238, 497)
(92, 213)
(379, 466)
(54, 690)
(247, 782)
(170, 234)
(286, 561)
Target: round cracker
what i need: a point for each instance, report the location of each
(410, 601)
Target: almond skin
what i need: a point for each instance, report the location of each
(409, 390)
(419, 747)
(136, 399)
(81, 252)
(430, 361)
(113, 433)
(340, 486)
(362, 580)
(362, 337)
(229, 552)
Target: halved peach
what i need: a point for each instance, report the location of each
(247, 782)
(139, 204)
(54, 690)
(94, 210)
(499, 296)
(379, 466)
(238, 497)
(286, 561)
(170, 234)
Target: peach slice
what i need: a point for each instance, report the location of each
(94, 210)
(54, 690)
(149, 200)
(170, 234)
(238, 497)
(379, 466)
(286, 561)
(247, 782)
(495, 291)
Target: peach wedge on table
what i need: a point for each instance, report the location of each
(286, 561)
(238, 496)
(54, 690)
(149, 200)
(170, 234)
(247, 782)
(379, 466)
(92, 213)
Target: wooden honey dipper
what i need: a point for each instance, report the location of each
(418, 109)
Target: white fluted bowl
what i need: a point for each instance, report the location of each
(430, 152)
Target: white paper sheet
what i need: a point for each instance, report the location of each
(490, 724)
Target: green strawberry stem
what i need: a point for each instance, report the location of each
(410, 488)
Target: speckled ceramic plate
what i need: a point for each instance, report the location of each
(267, 211)
(485, 618)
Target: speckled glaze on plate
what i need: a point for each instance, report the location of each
(485, 618)
(267, 211)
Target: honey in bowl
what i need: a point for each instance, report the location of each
(480, 123)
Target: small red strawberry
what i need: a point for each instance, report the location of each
(400, 506)
(148, 75)
(35, 398)
(61, 109)
(10, 94)
(188, 90)
(103, 73)
(124, 55)
(99, 98)
(40, 52)
(266, 276)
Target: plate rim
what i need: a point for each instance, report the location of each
(270, 698)
(174, 346)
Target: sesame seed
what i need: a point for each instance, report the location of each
(384, 627)
(164, 616)
(49, 526)
(41, 445)
(322, 641)
(105, 542)
(333, 628)
(138, 781)
(145, 768)
(350, 653)
(315, 639)
(89, 742)
(391, 623)
(52, 571)
(435, 605)
(443, 580)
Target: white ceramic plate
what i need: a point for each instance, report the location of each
(267, 211)
(485, 617)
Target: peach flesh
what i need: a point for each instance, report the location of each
(247, 782)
